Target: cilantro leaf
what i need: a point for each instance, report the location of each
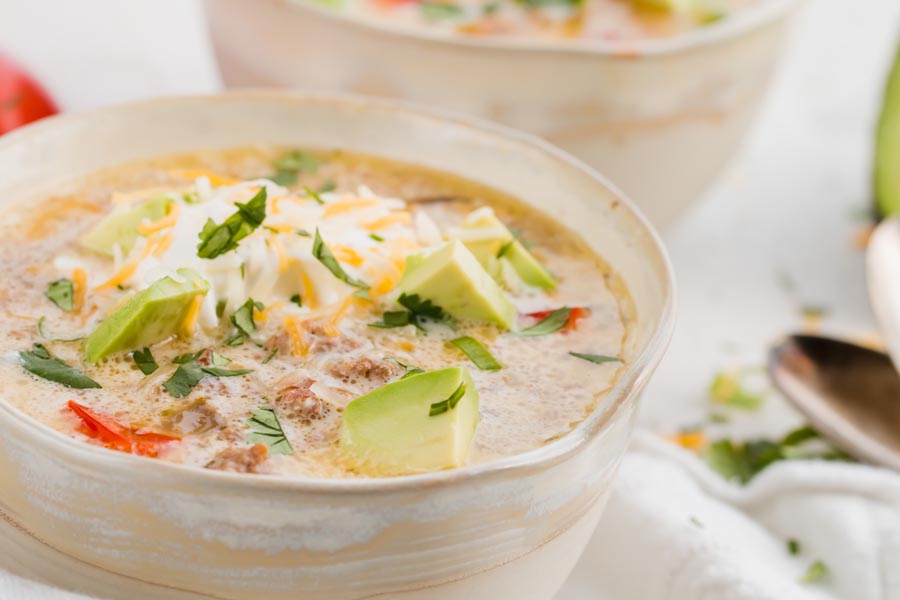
(324, 256)
(266, 429)
(289, 166)
(296, 299)
(220, 372)
(243, 317)
(183, 380)
(597, 359)
(410, 369)
(552, 323)
(145, 361)
(219, 239)
(477, 353)
(393, 318)
(62, 293)
(314, 195)
(450, 403)
(40, 362)
(270, 356)
(436, 11)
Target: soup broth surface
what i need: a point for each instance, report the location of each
(312, 348)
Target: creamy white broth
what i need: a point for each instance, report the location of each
(604, 20)
(541, 393)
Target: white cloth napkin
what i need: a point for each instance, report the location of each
(673, 531)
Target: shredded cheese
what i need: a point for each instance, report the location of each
(692, 440)
(215, 179)
(296, 336)
(347, 254)
(167, 221)
(344, 206)
(128, 270)
(262, 315)
(190, 319)
(397, 218)
(284, 259)
(163, 244)
(79, 282)
(309, 292)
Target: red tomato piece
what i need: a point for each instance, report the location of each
(22, 99)
(579, 312)
(116, 436)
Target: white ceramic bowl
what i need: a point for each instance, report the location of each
(661, 118)
(508, 529)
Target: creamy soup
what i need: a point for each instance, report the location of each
(278, 311)
(608, 20)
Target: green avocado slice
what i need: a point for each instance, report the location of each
(502, 245)
(887, 147)
(121, 226)
(410, 427)
(150, 316)
(452, 278)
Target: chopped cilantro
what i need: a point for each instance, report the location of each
(727, 388)
(145, 361)
(62, 293)
(40, 362)
(324, 256)
(270, 356)
(793, 547)
(450, 403)
(436, 11)
(266, 429)
(219, 239)
(815, 573)
(296, 299)
(598, 359)
(477, 353)
(552, 323)
(376, 237)
(313, 194)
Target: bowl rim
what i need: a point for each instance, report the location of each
(636, 374)
(747, 20)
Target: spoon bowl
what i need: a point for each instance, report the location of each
(850, 394)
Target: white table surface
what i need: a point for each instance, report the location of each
(789, 203)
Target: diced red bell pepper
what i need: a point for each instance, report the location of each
(579, 312)
(22, 99)
(116, 436)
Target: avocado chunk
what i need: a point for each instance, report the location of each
(148, 317)
(420, 423)
(500, 244)
(452, 278)
(887, 147)
(121, 226)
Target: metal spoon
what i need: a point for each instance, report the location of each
(850, 394)
(883, 279)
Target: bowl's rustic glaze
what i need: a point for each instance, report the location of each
(660, 117)
(508, 529)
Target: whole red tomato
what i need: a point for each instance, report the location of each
(22, 99)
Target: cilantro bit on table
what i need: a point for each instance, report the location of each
(742, 461)
(38, 361)
(216, 240)
(727, 388)
(266, 429)
(324, 256)
(62, 293)
(815, 573)
(793, 547)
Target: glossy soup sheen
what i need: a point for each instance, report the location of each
(604, 20)
(540, 394)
